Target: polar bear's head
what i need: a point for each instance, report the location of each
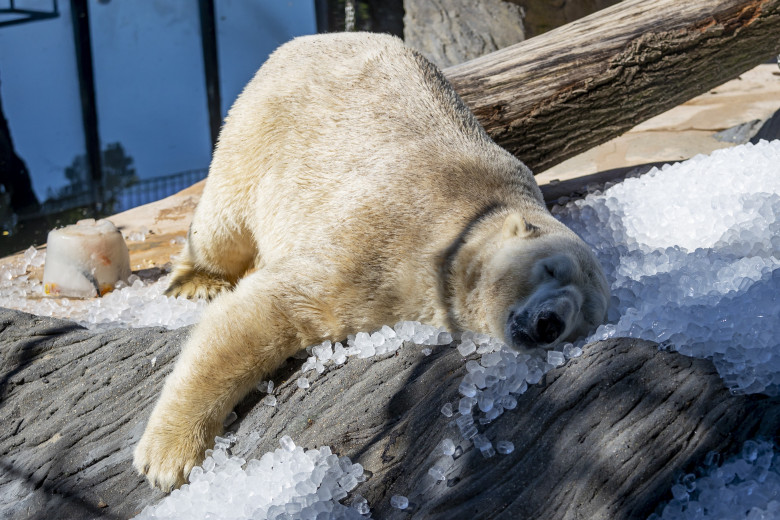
(539, 285)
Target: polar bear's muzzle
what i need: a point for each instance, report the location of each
(549, 326)
(546, 318)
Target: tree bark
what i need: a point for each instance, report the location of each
(453, 31)
(545, 15)
(603, 437)
(551, 97)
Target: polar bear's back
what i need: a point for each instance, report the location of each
(340, 126)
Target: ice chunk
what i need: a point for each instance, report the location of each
(505, 447)
(323, 352)
(339, 354)
(490, 359)
(287, 443)
(85, 259)
(571, 351)
(387, 332)
(465, 405)
(467, 389)
(360, 504)
(446, 410)
(348, 482)
(447, 446)
(399, 502)
(302, 382)
(555, 358)
(219, 456)
(484, 446)
(444, 338)
(485, 402)
(377, 339)
(467, 347)
(469, 432)
(440, 467)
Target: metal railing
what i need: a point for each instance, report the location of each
(150, 190)
(139, 193)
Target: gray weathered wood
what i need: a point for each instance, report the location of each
(602, 438)
(561, 93)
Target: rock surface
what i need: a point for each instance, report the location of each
(448, 32)
(603, 437)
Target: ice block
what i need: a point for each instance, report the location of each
(85, 259)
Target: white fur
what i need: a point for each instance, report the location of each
(350, 188)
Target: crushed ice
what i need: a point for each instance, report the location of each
(692, 254)
(290, 482)
(746, 486)
(136, 304)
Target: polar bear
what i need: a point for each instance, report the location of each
(351, 188)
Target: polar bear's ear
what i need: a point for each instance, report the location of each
(517, 226)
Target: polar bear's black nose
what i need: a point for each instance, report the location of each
(549, 326)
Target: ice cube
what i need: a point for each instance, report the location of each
(555, 358)
(467, 389)
(287, 443)
(467, 347)
(447, 447)
(505, 447)
(399, 502)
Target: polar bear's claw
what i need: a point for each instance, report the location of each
(166, 458)
(193, 283)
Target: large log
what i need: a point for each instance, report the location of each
(603, 437)
(561, 93)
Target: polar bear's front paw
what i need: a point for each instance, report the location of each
(194, 283)
(166, 458)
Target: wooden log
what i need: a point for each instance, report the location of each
(603, 437)
(561, 93)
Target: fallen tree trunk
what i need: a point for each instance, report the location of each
(603, 437)
(559, 94)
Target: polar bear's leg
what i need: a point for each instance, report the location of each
(244, 336)
(213, 260)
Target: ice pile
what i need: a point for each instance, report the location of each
(746, 486)
(492, 383)
(692, 254)
(364, 345)
(490, 387)
(288, 483)
(307, 484)
(138, 303)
